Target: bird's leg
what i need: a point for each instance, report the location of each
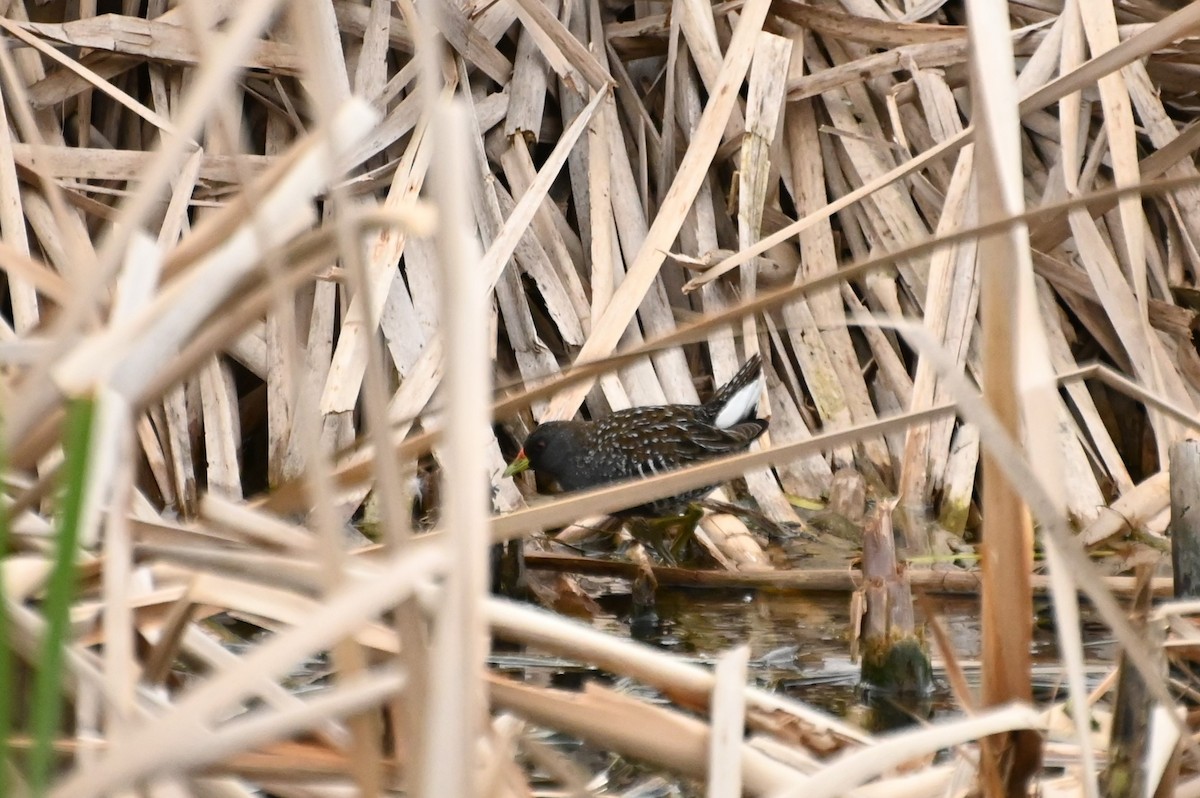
(687, 529)
(656, 532)
(653, 533)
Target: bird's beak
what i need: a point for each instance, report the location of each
(518, 465)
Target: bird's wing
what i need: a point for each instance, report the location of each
(688, 444)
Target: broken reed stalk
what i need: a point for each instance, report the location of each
(1185, 518)
(895, 658)
(1127, 774)
(728, 711)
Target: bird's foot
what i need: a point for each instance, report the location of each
(670, 536)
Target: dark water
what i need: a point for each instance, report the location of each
(799, 646)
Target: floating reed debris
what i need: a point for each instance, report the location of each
(282, 251)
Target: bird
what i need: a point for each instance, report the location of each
(644, 441)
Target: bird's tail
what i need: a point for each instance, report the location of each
(737, 400)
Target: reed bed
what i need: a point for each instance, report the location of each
(265, 261)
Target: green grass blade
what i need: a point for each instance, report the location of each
(47, 697)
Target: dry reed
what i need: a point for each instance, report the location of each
(265, 251)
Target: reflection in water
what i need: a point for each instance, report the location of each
(799, 646)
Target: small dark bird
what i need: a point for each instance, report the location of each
(644, 441)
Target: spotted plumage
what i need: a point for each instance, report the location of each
(645, 441)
